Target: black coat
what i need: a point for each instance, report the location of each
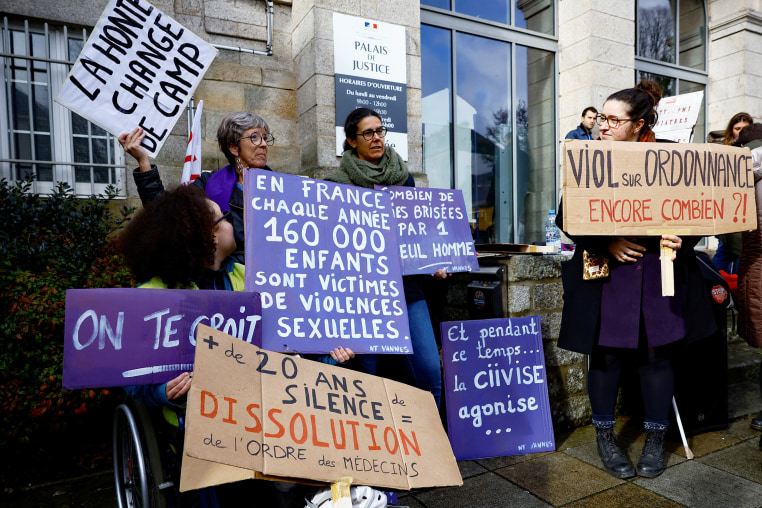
(580, 319)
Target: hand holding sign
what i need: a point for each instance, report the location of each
(139, 67)
(286, 416)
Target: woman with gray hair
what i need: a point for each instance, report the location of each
(244, 138)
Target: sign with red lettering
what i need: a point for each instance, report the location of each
(138, 67)
(284, 416)
(639, 189)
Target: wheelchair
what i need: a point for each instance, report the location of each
(140, 469)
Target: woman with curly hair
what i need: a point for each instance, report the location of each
(180, 240)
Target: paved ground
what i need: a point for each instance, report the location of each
(726, 472)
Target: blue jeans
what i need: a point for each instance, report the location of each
(423, 365)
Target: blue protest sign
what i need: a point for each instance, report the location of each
(496, 388)
(433, 230)
(324, 257)
(122, 336)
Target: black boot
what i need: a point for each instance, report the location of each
(614, 461)
(651, 463)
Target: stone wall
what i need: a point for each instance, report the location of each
(597, 55)
(735, 47)
(532, 286)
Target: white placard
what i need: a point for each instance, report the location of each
(677, 116)
(138, 68)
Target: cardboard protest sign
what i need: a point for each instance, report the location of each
(324, 257)
(678, 115)
(640, 189)
(139, 67)
(124, 336)
(291, 417)
(496, 388)
(433, 230)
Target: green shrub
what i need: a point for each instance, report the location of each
(47, 245)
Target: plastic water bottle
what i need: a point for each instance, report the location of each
(552, 234)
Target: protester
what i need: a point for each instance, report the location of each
(244, 139)
(735, 125)
(750, 267)
(183, 240)
(623, 318)
(729, 245)
(585, 128)
(366, 162)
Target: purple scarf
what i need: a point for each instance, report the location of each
(220, 186)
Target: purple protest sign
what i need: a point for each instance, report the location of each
(122, 336)
(324, 257)
(496, 388)
(433, 230)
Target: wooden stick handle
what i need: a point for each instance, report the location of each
(341, 493)
(667, 272)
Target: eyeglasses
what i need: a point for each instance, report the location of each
(613, 121)
(256, 138)
(368, 134)
(225, 216)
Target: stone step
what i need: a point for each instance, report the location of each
(743, 363)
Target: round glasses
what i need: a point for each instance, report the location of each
(368, 134)
(256, 138)
(613, 121)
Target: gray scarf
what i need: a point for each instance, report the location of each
(391, 170)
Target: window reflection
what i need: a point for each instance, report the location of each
(692, 34)
(436, 77)
(493, 10)
(484, 169)
(656, 30)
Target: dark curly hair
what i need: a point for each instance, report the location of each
(171, 238)
(641, 102)
(350, 124)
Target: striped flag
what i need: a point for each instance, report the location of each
(192, 164)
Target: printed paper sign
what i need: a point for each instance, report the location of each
(124, 336)
(371, 72)
(433, 230)
(291, 417)
(325, 259)
(677, 116)
(138, 68)
(640, 189)
(496, 388)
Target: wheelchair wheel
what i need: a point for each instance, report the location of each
(137, 461)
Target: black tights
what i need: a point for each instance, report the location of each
(657, 381)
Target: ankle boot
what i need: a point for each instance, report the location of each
(614, 461)
(651, 462)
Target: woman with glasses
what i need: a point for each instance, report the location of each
(367, 161)
(244, 139)
(623, 319)
(183, 240)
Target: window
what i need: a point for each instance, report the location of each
(535, 15)
(40, 137)
(489, 104)
(677, 63)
